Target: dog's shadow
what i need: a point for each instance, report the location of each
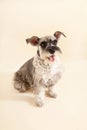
(27, 97)
(8, 93)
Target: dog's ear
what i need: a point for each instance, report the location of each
(33, 40)
(57, 34)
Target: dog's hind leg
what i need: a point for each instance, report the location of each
(20, 82)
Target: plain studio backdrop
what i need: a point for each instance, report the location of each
(21, 19)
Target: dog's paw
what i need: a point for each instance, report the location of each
(39, 101)
(20, 88)
(52, 92)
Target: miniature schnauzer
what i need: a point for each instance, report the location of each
(43, 71)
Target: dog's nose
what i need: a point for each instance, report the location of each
(52, 51)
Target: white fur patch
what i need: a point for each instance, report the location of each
(46, 71)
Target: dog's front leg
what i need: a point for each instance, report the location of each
(39, 95)
(52, 91)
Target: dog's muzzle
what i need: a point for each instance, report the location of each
(52, 49)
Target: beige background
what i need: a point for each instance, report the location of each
(20, 19)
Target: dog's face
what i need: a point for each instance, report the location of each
(47, 46)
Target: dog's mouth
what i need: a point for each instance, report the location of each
(51, 58)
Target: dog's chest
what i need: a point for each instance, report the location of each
(46, 72)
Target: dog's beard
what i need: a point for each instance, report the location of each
(47, 57)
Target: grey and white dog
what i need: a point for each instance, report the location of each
(43, 71)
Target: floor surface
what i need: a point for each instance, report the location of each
(67, 112)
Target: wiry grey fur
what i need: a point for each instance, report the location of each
(24, 76)
(39, 74)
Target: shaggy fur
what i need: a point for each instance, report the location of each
(42, 71)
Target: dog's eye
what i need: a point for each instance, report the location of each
(43, 44)
(55, 42)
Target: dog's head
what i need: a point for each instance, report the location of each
(47, 46)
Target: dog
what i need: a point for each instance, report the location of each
(43, 71)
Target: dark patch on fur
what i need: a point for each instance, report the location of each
(38, 53)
